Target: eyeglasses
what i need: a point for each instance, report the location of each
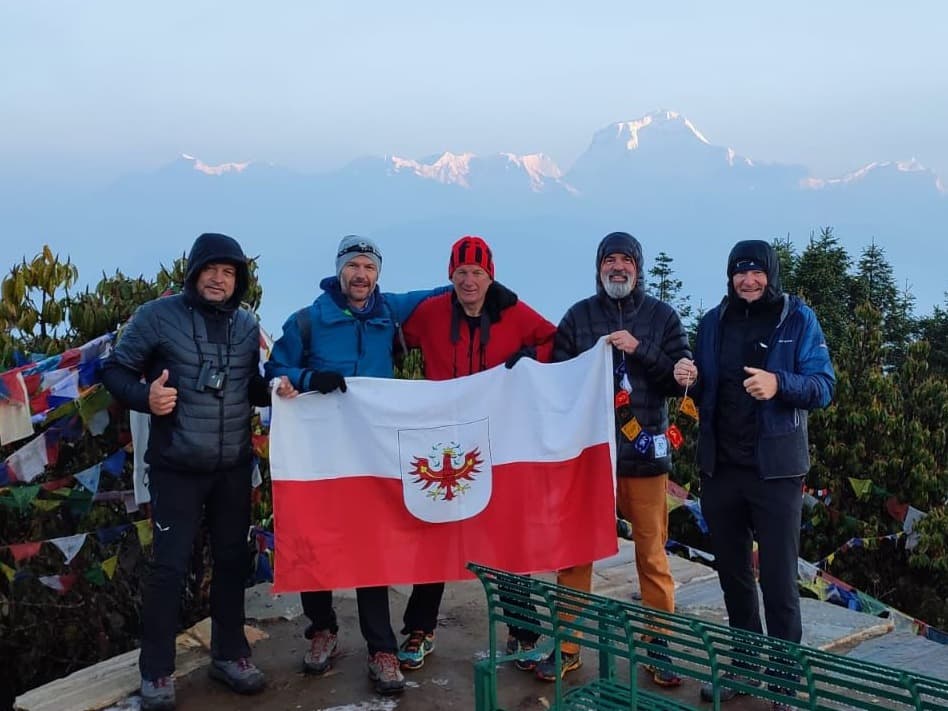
(359, 248)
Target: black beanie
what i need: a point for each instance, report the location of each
(619, 243)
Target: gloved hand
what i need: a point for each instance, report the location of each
(525, 352)
(324, 381)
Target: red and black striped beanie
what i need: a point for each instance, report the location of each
(471, 250)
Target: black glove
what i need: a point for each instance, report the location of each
(324, 381)
(525, 352)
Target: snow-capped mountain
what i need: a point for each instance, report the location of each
(657, 176)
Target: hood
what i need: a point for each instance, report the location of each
(623, 243)
(764, 254)
(212, 247)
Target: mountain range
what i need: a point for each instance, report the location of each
(657, 177)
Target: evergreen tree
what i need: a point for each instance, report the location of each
(821, 278)
(934, 330)
(874, 283)
(788, 259)
(665, 287)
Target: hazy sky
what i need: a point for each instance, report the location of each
(101, 88)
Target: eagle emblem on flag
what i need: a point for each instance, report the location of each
(447, 472)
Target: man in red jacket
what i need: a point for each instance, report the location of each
(477, 326)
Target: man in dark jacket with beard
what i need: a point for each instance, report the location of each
(763, 364)
(198, 353)
(647, 341)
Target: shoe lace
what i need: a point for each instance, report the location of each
(161, 682)
(244, 664)
(387, 664)
(414, 641)
(322, 641)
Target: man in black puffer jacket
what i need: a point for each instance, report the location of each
(192, 362)
(647, 341)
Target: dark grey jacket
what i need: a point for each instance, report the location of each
(207, 430)
(662, 342)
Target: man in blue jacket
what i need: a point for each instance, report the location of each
(349, 330)
(763, 364)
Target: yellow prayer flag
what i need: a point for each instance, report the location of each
(46, 504)
(862, 487)
(688, 408)
(673, 502)
(631, 429)
(108, 566)
(8, 571)
(145, 535)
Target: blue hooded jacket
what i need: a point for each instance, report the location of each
(796, 353)
(341, 340)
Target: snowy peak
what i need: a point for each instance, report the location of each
(449, 168)
(466, 168)
(202, 167)
(657, 123)
(874, 170)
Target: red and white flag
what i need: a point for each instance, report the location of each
(401, 481)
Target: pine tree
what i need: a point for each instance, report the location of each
(665, 287)
(874, 283)
(821, 278)
(934, 330)
(788, 259)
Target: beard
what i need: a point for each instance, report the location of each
(617, 289)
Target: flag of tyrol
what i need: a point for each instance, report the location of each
(398, 481)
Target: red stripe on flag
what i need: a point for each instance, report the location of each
(355, 531)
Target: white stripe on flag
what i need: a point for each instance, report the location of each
(536, 412)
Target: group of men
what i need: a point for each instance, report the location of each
(192, 362)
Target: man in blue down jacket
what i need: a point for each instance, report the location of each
(763, 364)
(349, 330)
(199, 354)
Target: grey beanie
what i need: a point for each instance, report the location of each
(353, 246)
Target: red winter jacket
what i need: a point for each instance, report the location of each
(439, 327)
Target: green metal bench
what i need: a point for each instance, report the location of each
(704, 651)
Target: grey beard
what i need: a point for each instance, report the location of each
(616, 290)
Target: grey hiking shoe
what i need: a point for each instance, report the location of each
(158, 694)
(241, 675)
(322, 648)
(727, 693)
(384, 671)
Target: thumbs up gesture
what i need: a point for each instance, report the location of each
(761, 385)
(161, 399)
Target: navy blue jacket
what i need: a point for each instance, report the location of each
(798, 356)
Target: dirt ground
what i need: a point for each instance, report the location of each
(445, 681)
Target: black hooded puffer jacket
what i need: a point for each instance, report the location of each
(208, 430)
(662, 342)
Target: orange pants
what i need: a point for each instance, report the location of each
(642, 501)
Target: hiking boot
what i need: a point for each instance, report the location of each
(662, 676)
(241, 675)
(158, 694)
(531, 657)
(418, 645)
(727, 693)
(546, 669)
(323, 647)
(384, 671)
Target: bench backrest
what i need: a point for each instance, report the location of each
(699, 649)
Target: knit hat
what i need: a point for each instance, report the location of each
(471, 250)
(752, 255)
(619, 243)
(353, 246)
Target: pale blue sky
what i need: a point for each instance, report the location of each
(100, 88)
